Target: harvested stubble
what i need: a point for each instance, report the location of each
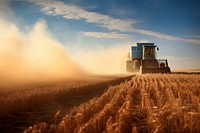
(22, 100)
(147, 103)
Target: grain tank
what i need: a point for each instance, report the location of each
(142, 58)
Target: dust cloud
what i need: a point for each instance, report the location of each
(33, 57)
(36, 57)
(109, 60)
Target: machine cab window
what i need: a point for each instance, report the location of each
(149, 52)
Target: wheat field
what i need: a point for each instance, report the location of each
(150, 103)
(22, 107)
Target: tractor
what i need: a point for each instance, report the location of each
(142, 58)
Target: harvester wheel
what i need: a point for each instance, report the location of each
(162, 65)
(137, 65)
(168, 70)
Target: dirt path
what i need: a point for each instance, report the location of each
(18, 121)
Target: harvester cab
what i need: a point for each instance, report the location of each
(142, 59)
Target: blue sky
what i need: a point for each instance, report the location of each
(173, 25)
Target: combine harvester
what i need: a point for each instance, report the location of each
(143, 58)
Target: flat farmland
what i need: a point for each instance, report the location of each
(122, 103)
(24, 106)
(146, 103)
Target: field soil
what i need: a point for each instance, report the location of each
(23, 107)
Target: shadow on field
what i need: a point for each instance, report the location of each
(62, 104)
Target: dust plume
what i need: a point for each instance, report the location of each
(109, 60)
(36, 57)
(33, 57)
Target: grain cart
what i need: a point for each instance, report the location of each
(142, 58)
